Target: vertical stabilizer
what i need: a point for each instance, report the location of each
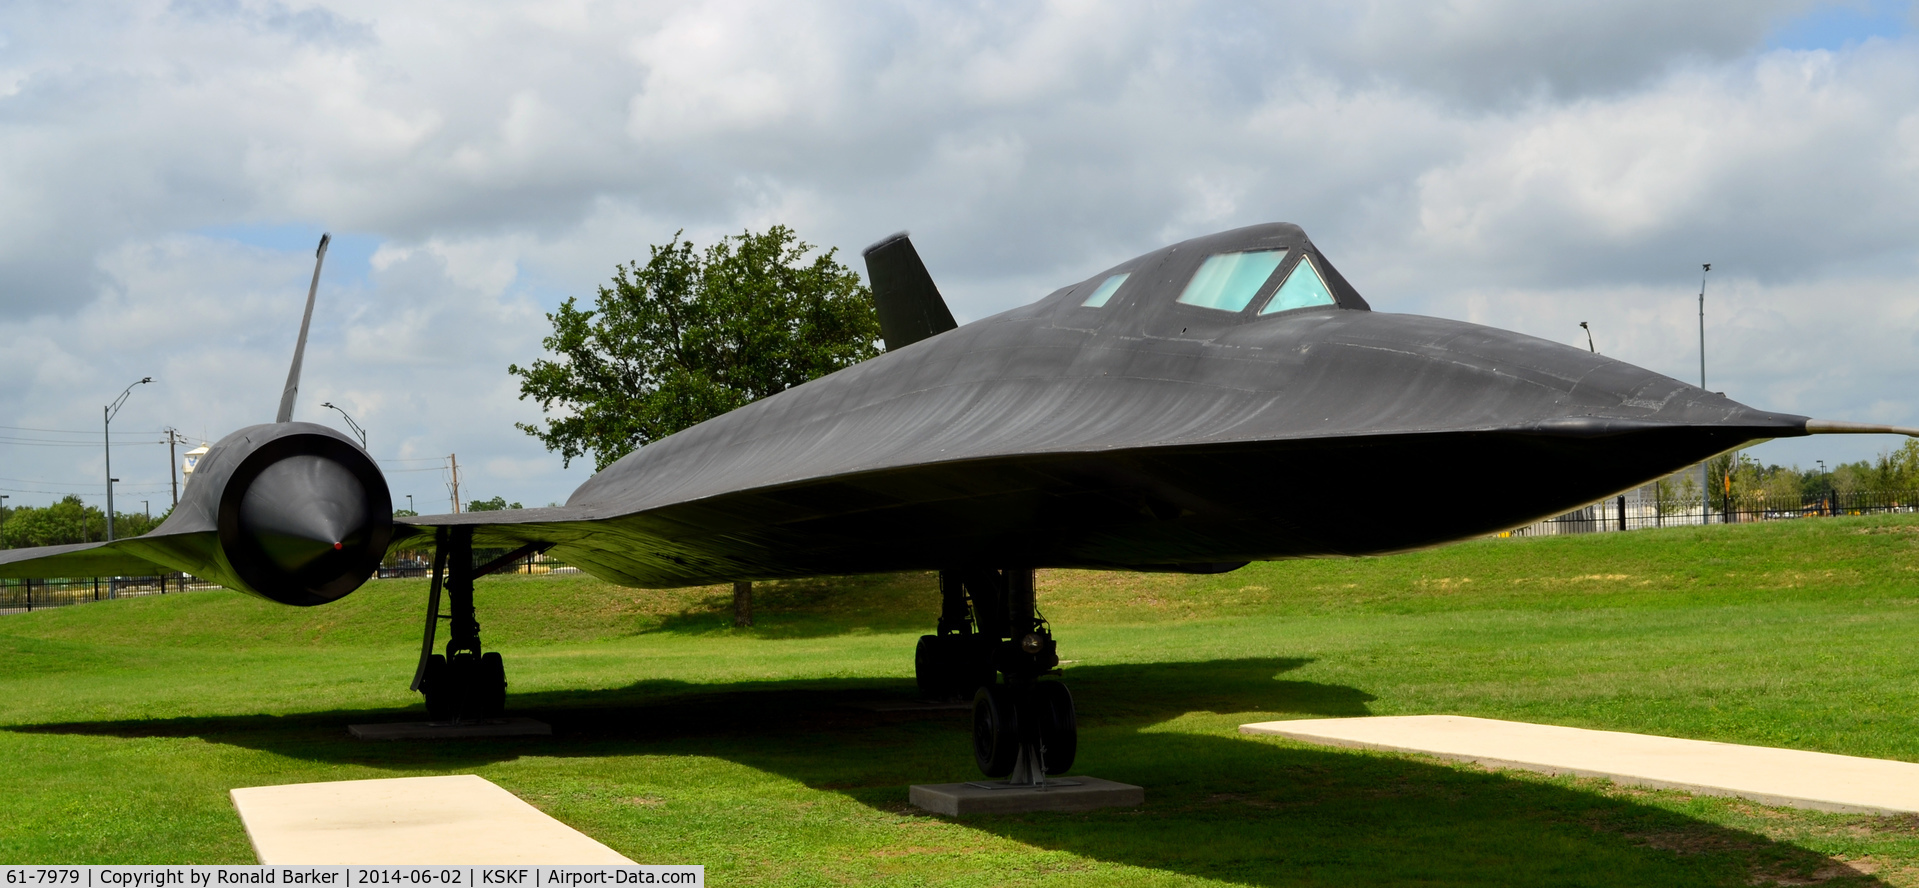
(910, 307)
(300, 347)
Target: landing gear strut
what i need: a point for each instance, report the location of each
(466, 683)
(1023, 728)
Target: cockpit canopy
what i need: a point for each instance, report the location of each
(1227, 278)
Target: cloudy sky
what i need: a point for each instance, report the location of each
(166, 168)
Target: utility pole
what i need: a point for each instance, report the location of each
(1705, 468)
(454, 488)
(173, 465)
(106, 437)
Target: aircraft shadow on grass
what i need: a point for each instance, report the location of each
(1245, 811)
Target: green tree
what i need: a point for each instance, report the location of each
(67, 521)
(693, 334)
(496, 504)
(1678, 494)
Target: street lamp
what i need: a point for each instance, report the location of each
(350, 424)
(409, 504)
(106, 437)
(1705, 468)
(1589, 337)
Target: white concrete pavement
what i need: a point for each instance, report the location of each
(1817, 780)
(461, 819)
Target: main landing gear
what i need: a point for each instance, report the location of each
(466, 683)
(1023, 728)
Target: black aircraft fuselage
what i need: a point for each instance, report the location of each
(1142, 433)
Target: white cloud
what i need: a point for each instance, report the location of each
(1519, 164)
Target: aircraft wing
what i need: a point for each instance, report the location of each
(134, 556)
(506, 527)
(602, 541)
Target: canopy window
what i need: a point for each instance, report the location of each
(1228, 281)
(1105, 291)
(1303, 288)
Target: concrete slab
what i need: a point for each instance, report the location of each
(1818, 780)
(461, 819)
(1084, 794)
(492, 727)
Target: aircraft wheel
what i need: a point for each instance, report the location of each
(972, 666)
(459, 679)
(932, 669)
(1058, 725)
(436, 686)
(995, 730)
(490, 693)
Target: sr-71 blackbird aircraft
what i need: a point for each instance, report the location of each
(1226, 399)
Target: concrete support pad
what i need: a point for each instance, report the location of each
(409, 820)
(1818, 780)
(961, 799)
(492, 727)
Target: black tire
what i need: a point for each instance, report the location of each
(931, 670)
(463, 675)
(441, 701)
(995, 730)
(972, 665)
(1058, 726)
(491, 693)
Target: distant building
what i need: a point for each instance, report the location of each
(191, 459)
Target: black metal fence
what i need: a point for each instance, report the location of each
(1644, 507)
(537, 564)
(22, 596)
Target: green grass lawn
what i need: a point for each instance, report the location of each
(681, 740)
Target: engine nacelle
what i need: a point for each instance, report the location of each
(301, 514)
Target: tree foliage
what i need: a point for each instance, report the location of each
(68, 521)
(496, 504)
(693, 334)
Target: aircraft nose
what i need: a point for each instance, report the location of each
(1375, 372)
(302, 508)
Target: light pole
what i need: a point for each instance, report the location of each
(106, 437)
(1705, 468)
(409, 504)
(350, 424)
(1589, 337)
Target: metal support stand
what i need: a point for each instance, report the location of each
(462, 624)
(956, 616)
(433, 617)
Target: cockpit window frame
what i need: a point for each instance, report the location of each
(1285, 253)
(1282, 276)
(1108, 286)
